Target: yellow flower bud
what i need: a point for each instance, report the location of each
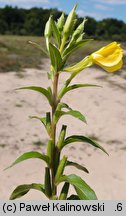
(109, 57)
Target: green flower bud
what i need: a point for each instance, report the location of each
(60, 22)
(69, 22)
(48, 30)
(79, 30)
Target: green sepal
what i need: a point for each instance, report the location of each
(79, 138)
(39, 89)
(83, 190)
(48, 187)
(21, 190)
(78, 166)
(30, 155)
(84, 63)
(64, 191)
(55, 56)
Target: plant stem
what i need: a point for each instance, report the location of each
(53, 134)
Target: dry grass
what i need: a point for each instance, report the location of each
(16, 54)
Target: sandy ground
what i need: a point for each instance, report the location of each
(105, 109)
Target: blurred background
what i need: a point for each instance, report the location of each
(22, 64)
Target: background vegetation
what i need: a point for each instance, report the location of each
(18, 26)
(16, 21)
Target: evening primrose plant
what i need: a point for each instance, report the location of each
(62, 39)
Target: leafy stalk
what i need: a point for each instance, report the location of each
(66, 42)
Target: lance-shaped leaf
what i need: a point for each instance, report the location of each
(43, 120)
(71, 49)
(41, 90)
(83, 190)
(38, 47)
(78, 166)
(75, 86)
(73, 197)
(78, 138)
(21, 190)
(46, 121)
(55, 57)
(30, 155)
(73, 113)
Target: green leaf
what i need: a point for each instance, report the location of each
(64, 105)
(73, 197)
(21, 190)
(46, 121)
(71, 49)
(43, 120)
(38, 47)
(75, 86)
(29, 155)
(82, 188)
(41, 90)
(78, 166)
(56, 32)
(73, 113)
(55, 57)
(78, 138)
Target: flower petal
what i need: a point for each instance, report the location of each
(113, 68)
(109, 57)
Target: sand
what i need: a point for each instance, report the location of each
(105, 110)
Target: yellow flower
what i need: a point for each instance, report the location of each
(109, 57)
